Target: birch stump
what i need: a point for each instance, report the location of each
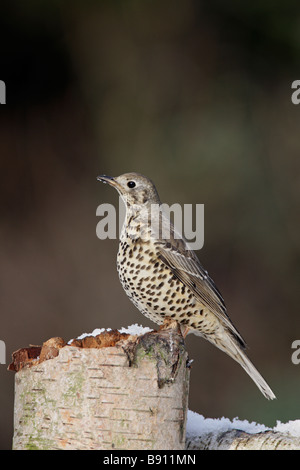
(236, 439)
(112, 391)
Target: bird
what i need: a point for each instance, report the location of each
(164, 278)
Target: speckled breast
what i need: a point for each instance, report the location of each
(151, 285)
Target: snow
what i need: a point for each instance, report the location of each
(95, 332)
(197, 425)
(291, 427)
(135, 330)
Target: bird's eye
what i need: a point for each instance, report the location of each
(131, 184)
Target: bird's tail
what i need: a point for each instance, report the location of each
(227, 343)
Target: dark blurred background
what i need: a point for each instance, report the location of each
(197, 96)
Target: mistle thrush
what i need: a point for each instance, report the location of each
(163, 277)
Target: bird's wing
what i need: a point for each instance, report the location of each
(184, 264)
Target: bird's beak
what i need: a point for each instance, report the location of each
(107, 179)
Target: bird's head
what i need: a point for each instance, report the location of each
(133, 188)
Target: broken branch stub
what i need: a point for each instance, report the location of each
(116, 391)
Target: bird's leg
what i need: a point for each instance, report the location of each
(184, 331)
(173, 324)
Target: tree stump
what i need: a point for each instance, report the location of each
(112, 391)
(236, 439)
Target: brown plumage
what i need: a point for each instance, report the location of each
(164, 278)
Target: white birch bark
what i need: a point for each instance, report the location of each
(240, 440)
